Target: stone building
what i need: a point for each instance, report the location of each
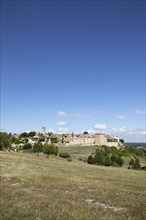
(87, 140)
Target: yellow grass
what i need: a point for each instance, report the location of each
(37, 188)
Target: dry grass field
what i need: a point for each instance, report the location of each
(37, 188)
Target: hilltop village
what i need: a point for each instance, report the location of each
(72, 139)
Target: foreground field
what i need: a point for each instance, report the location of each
(37, 188)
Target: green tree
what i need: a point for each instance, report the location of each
(48, 149)
(122, 141)
(37, 147)
(17, 141)
(136, 165)
(54, 140)
(131, 162)
(99, 157)
(31, 134)
(42, 138)
(23, 135)
(50, 133)
(116, 160)
(5, 142)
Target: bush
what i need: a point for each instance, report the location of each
(113, 158)
(119, 161)
(143, 168)
(136, 165)
(116, 160)
(131, 162)
(114, 151)
(90, 160)
(107, 161)
(64, 155)
(80, 159)
(69, 159)
(26, 146)
(55, 150)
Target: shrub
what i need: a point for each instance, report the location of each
(116, 160)
(64, 155)
(113, 158)
(136, 164)
(144, 168)
(80, 159)
(119, 161)
(69, 159)
(90, 160)
(107, 161)
(131, 162)
(55, 150)
(26, 146)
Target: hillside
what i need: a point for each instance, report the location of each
(37, 188)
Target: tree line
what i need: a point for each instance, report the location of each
(111, 156)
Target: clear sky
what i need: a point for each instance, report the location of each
(73, 66)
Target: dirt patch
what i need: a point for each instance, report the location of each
(106, 206)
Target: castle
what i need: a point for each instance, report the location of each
(87, 140)
(84, 139)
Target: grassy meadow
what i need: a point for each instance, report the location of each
(38, 188)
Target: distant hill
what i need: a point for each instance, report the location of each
(136, 144)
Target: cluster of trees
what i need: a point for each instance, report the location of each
(29, 134)
(38, 147)
(131, 150)
(111, 156)
(134, 164)
(49, 149)
(105, 156)
(5, 141)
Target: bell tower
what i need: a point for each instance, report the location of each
(43, 130)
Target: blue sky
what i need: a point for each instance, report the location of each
(73, 66)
